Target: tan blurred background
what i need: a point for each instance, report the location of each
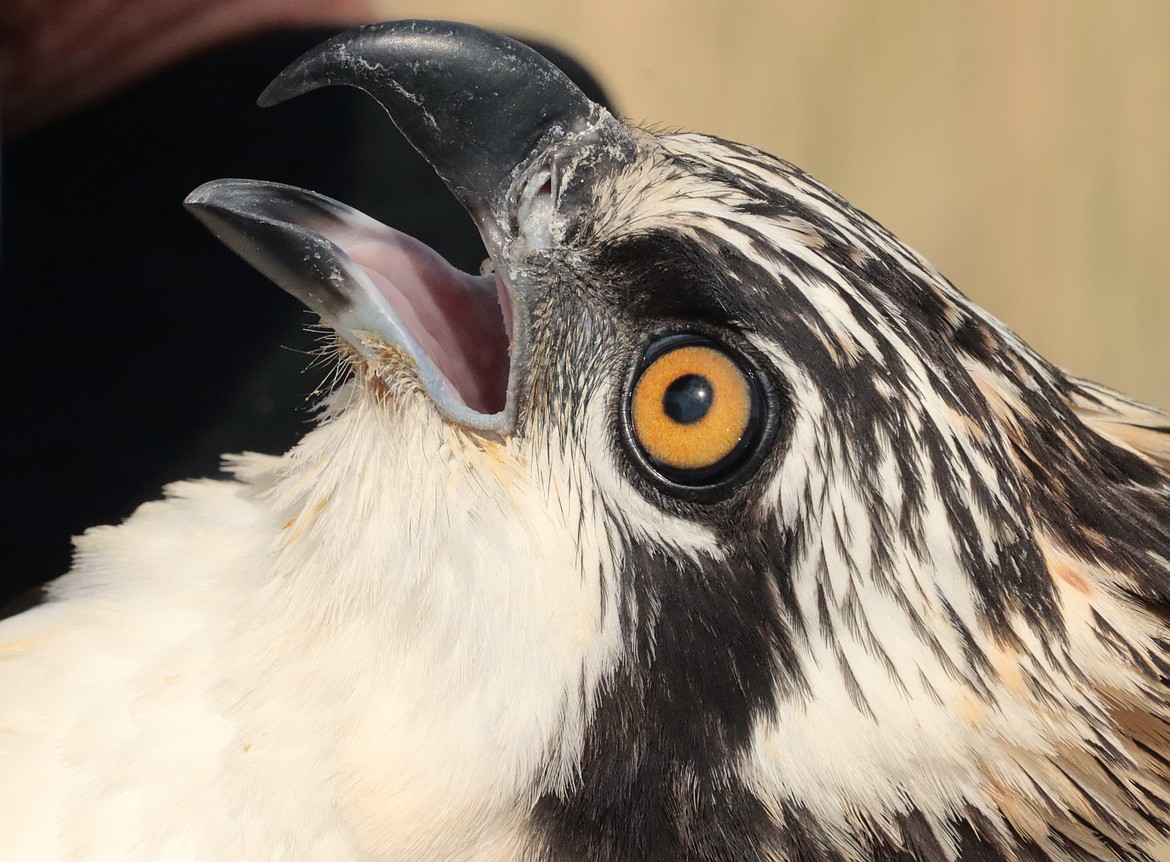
(1024, 147)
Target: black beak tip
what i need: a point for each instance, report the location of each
(204, 195)
(275, 93)
(356, 56)
(219, 199)
(306, 73)
(474, 103)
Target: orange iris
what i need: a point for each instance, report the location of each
(691, 406)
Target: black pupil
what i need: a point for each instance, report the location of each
(688, 399)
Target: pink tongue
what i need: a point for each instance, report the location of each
(455, 317)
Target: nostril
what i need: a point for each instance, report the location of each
(537, 208)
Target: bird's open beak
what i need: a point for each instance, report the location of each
(481, 109)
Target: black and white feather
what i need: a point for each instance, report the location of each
(922, 616)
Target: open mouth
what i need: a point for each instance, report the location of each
(461, 322)
(489, 115)
(378, 288)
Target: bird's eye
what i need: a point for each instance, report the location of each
(694, 410)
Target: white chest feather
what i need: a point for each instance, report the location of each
(351, 653)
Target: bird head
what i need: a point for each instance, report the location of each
(733, 525)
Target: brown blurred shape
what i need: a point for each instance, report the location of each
(58, 56)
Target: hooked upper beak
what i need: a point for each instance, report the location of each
(481, 109)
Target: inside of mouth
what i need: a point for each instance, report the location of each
(463, 322)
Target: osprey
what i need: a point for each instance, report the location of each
(709, 522)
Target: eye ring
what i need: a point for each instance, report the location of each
(696, 415)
